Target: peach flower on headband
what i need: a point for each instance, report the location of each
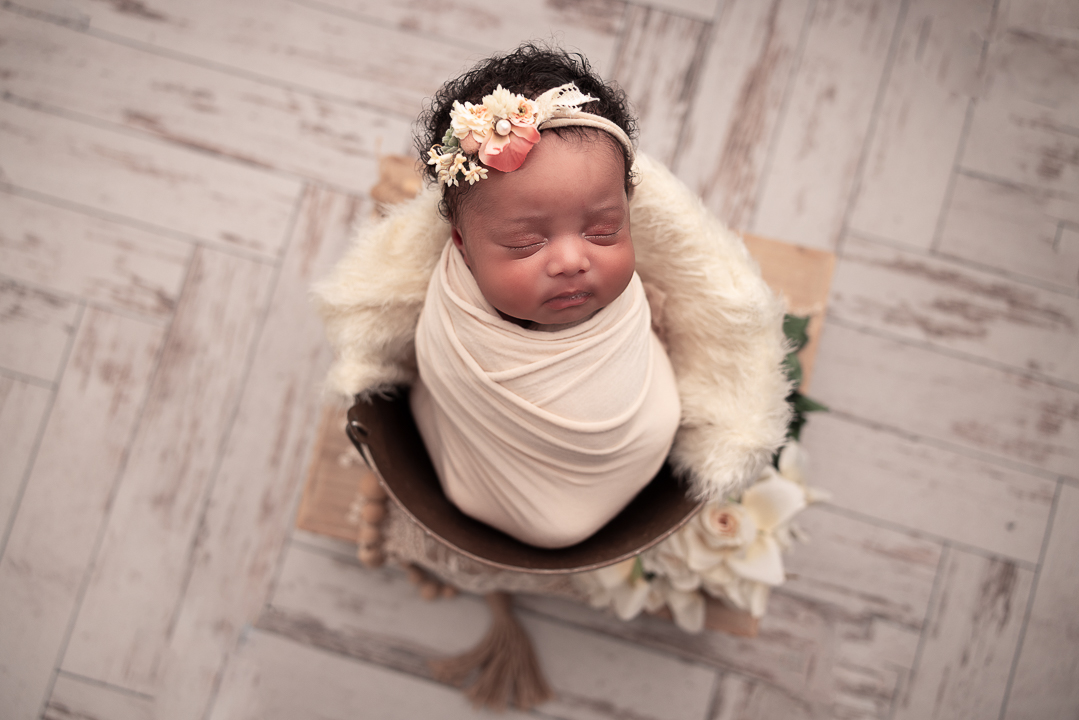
(500, 131)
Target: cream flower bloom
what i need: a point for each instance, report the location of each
(524, 112)
(501, 103)
(731, 550)
(475, 173)
(617, 586)
(470, 119)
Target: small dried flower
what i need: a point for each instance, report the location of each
(475, 173)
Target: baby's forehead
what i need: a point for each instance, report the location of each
(557, 166)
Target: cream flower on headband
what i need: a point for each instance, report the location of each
(499, 132)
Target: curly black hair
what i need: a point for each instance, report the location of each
(530, 70)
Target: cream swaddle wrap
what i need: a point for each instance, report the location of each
(543, 434)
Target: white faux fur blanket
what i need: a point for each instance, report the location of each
(722, 325)
(544, 434)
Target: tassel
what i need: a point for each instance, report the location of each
(505, 661)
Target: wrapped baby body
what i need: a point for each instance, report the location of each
(544, 434)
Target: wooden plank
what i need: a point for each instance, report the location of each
(206, 110)
(67, 498)
(75, 699)
(739, 698)
(275, 678)
(911, 484)
(22, 413)
(250, 509)
(369, 612)
(104, 262)
(952, 306)
(864, 569)
(36, 326)
(698, 9)
(157, 511)
(1023, 128)
(592, 27)
(818, 148)
(1055, 18)
(738, 100)
(935, 73)
(969, 642)
(146, 180)
(808, 650)
(926, 394)
(658, 64)
(1021, 230)
(803, 277)
(291, 44)
(1044, 681)
(332, 489)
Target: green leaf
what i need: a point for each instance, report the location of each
(797, 330)
(793, 367)
(804, 404)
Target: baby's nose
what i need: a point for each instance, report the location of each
(568, 256)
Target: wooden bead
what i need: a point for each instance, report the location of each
(415, 575)
(370, 535)
(430, 590)
(449, 591)
(372, 557)
(373, 511)
(370, 487)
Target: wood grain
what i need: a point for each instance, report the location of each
(157, 512)
(864, 569)
(739, 698)
(1024, 128)
(658, 65)
(803, 278)
(819, 145)
(952, 306)
(925, 394)
(592, 27)
(145, 180)
(906, 483)
(737, 106)
(275, 678)
(1048, 662)
(374, 612)
(22, 414)
(211, 111)
(36, 326)
(809, 651)
(1026, 232)
(291, 44)
(108, 263)
(1052, 18)
(971, 637)
(935, 74)
(247, 518)
(332, 488)
(75, 699)
(67, 500)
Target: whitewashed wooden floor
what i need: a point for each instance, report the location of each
(175, 173)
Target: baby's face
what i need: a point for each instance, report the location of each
(550, 242)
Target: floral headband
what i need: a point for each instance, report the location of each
(501, 131)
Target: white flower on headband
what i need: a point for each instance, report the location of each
(499, 132)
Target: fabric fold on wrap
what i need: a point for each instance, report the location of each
(544, 434)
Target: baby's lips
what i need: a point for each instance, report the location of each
(569, 299)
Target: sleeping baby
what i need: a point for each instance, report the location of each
(545, 399)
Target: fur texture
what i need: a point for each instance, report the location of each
(722, 325)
